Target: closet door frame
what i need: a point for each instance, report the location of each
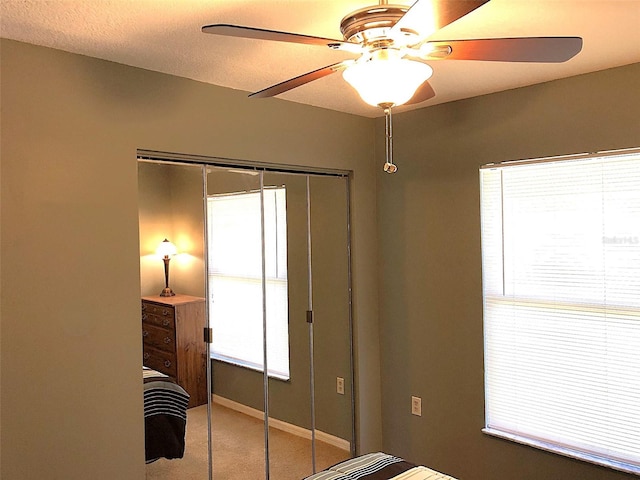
(262, 168)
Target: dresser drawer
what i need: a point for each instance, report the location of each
(154, 309)
(163, 362)
(158, 320)
(159, 337)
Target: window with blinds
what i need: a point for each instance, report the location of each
(235, 280)
(561, 285)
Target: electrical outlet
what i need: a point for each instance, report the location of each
(340, 385)
(416, 406)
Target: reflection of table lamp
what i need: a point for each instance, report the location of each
(166, 250)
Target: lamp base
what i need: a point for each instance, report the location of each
(167, 292)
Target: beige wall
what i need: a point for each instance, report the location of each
(170, 205)
(71, 393)
(430, 270)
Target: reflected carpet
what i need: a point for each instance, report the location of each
(238, 450)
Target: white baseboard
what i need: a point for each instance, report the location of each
(338, 442)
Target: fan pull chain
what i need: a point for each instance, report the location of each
(389, 166)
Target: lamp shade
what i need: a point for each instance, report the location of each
(382, 81)
(166, 249)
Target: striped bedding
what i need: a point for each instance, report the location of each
(165, 416)
(378, 466)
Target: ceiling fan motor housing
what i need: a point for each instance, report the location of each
(371, 25)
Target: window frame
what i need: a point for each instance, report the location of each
(515, 435)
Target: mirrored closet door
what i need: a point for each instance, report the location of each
(311, 412)
(275, 275)
(236, 312)
(173, 318)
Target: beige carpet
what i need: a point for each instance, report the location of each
(238, 450)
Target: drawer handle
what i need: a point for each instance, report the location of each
(144, 307)
(167, 363)
(167, 340)
(165, 311)
(165, 322)
(145, 333)
(146, 356)
(144, 316)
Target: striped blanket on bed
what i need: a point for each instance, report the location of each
(378, 466)
(165, 416)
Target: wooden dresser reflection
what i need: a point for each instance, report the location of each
(173, 343)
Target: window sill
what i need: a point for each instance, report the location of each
(564, 451)
(255, 368)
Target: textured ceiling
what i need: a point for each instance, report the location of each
(165, 36)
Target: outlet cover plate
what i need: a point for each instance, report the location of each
(416, 406)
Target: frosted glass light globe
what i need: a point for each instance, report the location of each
(387, 81)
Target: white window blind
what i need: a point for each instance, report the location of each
(235, 280)
(561, 284)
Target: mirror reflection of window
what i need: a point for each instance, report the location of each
(235, 279)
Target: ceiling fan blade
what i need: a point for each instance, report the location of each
(274, 35)
(423, 93)
(525, 49)
(301, 80)
(428, 16)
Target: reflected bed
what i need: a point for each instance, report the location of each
(165, 416)
(378, 466)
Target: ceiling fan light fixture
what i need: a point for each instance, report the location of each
(387, 81)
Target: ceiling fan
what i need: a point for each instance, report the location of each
(394, 51)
